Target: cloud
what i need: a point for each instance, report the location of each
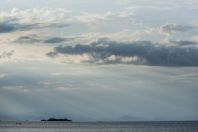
(34, 38)
(89, 18)
(182, 42)
(39, 18)
(7, 27)
(123, 36)
(105, 51)
(55, 40)
(174, 28)
(24, 20)
(6, 54)
(4, 27)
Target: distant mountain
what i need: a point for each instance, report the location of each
(54, 119)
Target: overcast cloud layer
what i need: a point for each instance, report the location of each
(100, 59)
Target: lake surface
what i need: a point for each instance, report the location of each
(98, 126)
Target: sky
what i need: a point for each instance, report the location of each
(99, 60)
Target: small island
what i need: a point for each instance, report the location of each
(55, 119)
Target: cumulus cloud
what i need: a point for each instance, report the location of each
(105, 51)
(24, 20)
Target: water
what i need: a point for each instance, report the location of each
(98, 127)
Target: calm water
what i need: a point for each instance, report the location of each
(99, 127)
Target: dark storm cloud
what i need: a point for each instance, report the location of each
(145, 52)
(172, 28)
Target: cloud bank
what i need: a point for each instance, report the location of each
(105, 51)
(174, 28)
(30, 19)
(39, 18)
(34, 38)
(6, 54)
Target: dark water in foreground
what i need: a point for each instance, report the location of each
(99, 127)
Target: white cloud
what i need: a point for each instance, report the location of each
(89, 18)
(36, 15)
(97, 18)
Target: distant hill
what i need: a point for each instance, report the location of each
(54, 119)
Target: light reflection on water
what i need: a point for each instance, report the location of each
(99, 127)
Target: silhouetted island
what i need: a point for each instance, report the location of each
(54, 119)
